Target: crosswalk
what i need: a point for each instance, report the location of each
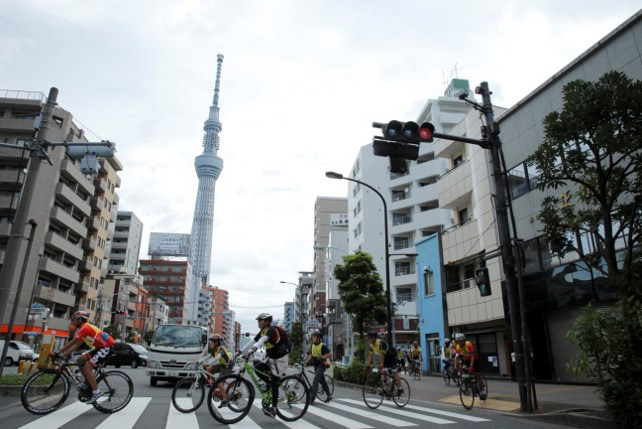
(340, 413)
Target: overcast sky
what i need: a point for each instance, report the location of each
(301, 83)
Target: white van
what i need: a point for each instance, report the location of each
(16, 352)
(174, 351)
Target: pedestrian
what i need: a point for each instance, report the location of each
(319, 356)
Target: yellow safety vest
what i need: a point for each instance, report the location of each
(316, 350)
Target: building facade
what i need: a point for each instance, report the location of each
(171, 281)
(125, 246)
(157, 313)
(288, 316)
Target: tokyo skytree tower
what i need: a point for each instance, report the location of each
(208, 168)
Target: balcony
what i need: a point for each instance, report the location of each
(456, 186)
(400, 243)
(116, 199)
(461, 240)
(70, 197)
(110, 234)
(401, 219)
(121, 245)
(83, 286)
(85, 265)
(54, 295)
(12, 179)
(97, 204)
(100, 185)
(68, 169)
(89, 244)
(5, 229)
(93, 224)
(17, 125)
(404, 271)
(7, 204)
(61, 216)
(62, 244)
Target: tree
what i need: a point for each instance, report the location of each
(296, 337)
(361, 290)
(149, 335)
(593, 149)
(113, 331)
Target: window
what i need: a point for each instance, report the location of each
(429, 282)
(400, 218)
(404, 294)
(399, 195)
(403, 268)
(401, 243)
(462, 215)
(457, 161)
(430, 205)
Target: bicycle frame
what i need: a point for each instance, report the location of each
(249, 368)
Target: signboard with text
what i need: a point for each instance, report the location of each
(168, 244)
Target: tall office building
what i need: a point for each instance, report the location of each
(208, 168)
(125, 247)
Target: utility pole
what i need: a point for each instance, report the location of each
(504, 239)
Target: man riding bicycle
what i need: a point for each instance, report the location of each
(469, 358)
(273, 339)
(387, 358)
(415, 356)
(446, 354)
(219, 360)
(93, 337)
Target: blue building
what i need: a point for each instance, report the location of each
(431, 301)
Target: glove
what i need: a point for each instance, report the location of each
(469, 369)
(53, 355)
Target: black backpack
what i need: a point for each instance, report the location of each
(285, 339)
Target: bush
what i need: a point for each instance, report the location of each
(19, 379)
(609, 352)
(355, 373)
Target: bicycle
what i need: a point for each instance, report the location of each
(41, 396)
(415, 369)
(380, 383)
(195, 390)
(320, 392)
(239, 395)
(469, 388)
(450, 373)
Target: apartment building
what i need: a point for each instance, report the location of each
(237, 338)
(557, 288)
(125, 246)
(124, 299)
(301, 301)
(324, 209)
(64, 210)
(288, 315)
(170, 281)
(223, 321)
(157, 313)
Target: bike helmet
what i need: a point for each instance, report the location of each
(215, 338)
(317, 334)
(447, 341)
(265, 316)
(459, 337)
(80, 315)
(372, 334)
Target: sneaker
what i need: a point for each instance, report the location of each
(328, 399)
(94, 396)
(483, 396)
(399, 392)
(311, 403)
(269, 411)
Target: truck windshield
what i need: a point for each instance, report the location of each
(177, 336)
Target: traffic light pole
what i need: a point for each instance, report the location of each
(504, 240)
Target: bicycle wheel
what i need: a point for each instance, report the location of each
(117, 389)
(446, 375)
(467, 394)
(418, 372)
(288, 406)
(188, 394)
(299, 388)
(44, 392)
(483, 393)
(232, 404)
(456, 377)
(321, 395)
(330, 382)
(402, 393)
(373, 392)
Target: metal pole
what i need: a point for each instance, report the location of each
(16, 300)
(11, 264)
(504, 240)
(33, 290)
(385, 234)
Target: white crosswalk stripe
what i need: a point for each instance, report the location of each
(176, 419)
(344, 412)
(126, 417)
(400, 412)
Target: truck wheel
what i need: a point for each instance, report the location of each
(134, 364)
(8, 361)
(153, 381)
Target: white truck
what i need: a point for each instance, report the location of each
(174, 351)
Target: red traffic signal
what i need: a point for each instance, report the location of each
(408, 132)
(426, 132)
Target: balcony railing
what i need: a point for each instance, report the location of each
(401, 219)
(402, 244)
(404, 271)
(400, 196)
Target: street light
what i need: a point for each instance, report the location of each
(289, 283)
(333, 175)
(320, 247)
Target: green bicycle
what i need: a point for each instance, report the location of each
(235, 402)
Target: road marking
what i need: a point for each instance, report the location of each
(176, 419)
(371, 415)
(128, 416)
(59, 417)
(409, 414)
(297, 424)
(492, 404)
(447, 413)
(342, 421)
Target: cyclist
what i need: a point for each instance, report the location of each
(276, 347)
(319, 356)
(469, 358)
(219, 360)
(93, 337)
(401, 360)
(446, 354)
(415, 355)
(387, 358)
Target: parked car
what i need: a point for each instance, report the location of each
(127, 354)
(16, 352)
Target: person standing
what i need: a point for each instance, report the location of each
(319, 356)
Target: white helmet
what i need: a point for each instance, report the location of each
(459, 336)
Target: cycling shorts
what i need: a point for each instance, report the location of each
(97, 356)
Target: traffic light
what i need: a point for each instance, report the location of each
(483, 281)
(88, 155)
(400, 142)
(124, 312)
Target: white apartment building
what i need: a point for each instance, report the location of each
(157, 313)
(465, 191)
(125, 247)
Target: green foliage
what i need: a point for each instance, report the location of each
(609, 352)
(354, 373)
(20, 379)
(113, 331)
(593, 149)
(361, 290)
(148, 336)
(296, 336)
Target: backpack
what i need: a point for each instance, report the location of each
(285, 339)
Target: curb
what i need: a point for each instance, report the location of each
(572, 418)
(6, 390)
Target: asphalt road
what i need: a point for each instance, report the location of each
(151, 408)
